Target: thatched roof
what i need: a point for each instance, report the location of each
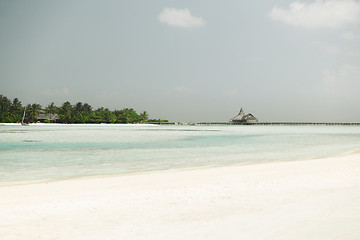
(250, 118)
(238, 117)
(241, 117)
(48, 116)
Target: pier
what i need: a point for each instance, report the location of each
(279, 123)
(261, 123)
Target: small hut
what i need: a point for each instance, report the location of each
(244, 118)
(51, 117)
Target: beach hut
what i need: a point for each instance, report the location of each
(52, 117)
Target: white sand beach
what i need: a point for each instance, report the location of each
(314, 199)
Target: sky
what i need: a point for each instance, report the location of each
(186, 61)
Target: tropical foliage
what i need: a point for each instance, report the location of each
(12, 112)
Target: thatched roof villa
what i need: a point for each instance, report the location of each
(52, 117)
(244, 118)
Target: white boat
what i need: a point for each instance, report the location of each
(22, 120)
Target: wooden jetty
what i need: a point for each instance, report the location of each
(280, 123)
(260, 123)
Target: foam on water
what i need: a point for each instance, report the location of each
(51, 152)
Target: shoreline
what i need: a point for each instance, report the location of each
(309, 199)
(174, 170)
(203, 124)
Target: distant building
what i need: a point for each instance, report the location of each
(52, 117)
(244, 118)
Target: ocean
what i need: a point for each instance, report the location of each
(48, 152)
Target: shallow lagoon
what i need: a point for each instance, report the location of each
(51, 152)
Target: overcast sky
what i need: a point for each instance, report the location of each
(186, 60)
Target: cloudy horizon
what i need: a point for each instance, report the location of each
(184, 60)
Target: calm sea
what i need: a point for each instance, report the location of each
(52, 152)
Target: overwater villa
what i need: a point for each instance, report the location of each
(244, 118)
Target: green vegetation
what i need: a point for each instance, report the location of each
(12, 112)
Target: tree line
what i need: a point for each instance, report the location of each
(11, 111)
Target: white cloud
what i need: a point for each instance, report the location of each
(56, 92)
(180, 18)
(319, 14)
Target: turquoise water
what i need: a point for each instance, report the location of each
(51, 152)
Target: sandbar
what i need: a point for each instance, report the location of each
(310, 199)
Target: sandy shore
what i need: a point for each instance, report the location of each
(315, 199)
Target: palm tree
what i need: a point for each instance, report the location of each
(66, 112)
(51, 108)
(16, 110)
(32, 112)
(5, 105)
(144, 116)
(78, 113)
